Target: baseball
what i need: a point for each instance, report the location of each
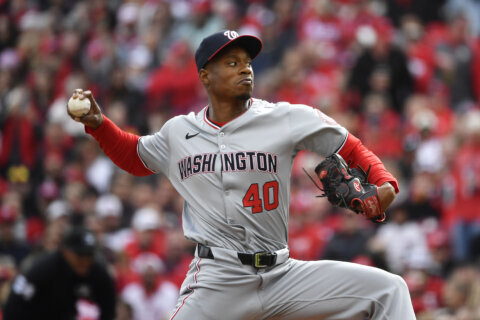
(78, 107)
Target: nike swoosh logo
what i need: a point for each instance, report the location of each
(189, 136)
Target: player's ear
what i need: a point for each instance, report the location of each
(204, 76)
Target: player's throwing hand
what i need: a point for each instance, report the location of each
(94, 117)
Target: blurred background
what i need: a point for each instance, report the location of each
(402, 75)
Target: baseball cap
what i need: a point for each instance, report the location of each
(58, 209)
(215, 43)
(146, 219)
(147, 260)
(108, 205)
(79, 240)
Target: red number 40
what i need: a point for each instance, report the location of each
(270, 200)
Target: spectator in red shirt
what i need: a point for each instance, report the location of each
(18, 139)
(148, 237)
(454, 57)
(152, 296)
(425, 290)
(380, 127)
(465, 171)
(420, 53)
(169, 84)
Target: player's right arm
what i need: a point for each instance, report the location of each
(118, 145)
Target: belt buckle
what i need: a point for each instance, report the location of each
(259, 255)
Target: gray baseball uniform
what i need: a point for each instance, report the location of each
(235, 180)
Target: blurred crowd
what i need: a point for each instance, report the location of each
(402, 75)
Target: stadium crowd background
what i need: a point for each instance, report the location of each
(403, 75)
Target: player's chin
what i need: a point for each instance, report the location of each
(244, 96)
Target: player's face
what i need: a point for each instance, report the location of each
(80, 264)
(230, 75)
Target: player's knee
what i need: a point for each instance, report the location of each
(399, 285)
(396, 285)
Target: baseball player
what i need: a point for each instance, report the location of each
(231, 162)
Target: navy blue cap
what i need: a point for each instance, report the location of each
(213, 44)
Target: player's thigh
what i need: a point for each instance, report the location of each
(215, 291)
(323, 288)
(208, 304)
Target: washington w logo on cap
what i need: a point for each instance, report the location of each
(231, 34)
(215, 43)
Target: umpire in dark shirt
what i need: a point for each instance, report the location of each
(57, 283)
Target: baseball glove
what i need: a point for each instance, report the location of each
(349, 188)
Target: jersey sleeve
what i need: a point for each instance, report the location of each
(356, 154)
(120, 146)
(154, 149)
(312, 130)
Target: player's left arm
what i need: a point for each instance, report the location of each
(356, 154)
(312, 130)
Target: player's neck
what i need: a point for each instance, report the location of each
(223, 112)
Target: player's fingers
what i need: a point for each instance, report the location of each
(85, 94)
(77, 93)
(94, 106)
(94, 117)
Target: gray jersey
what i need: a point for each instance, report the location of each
(235, 179)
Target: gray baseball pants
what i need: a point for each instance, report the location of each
(222, 288)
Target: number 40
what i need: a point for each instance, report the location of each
(252, 197)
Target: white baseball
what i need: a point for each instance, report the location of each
(78, 107)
